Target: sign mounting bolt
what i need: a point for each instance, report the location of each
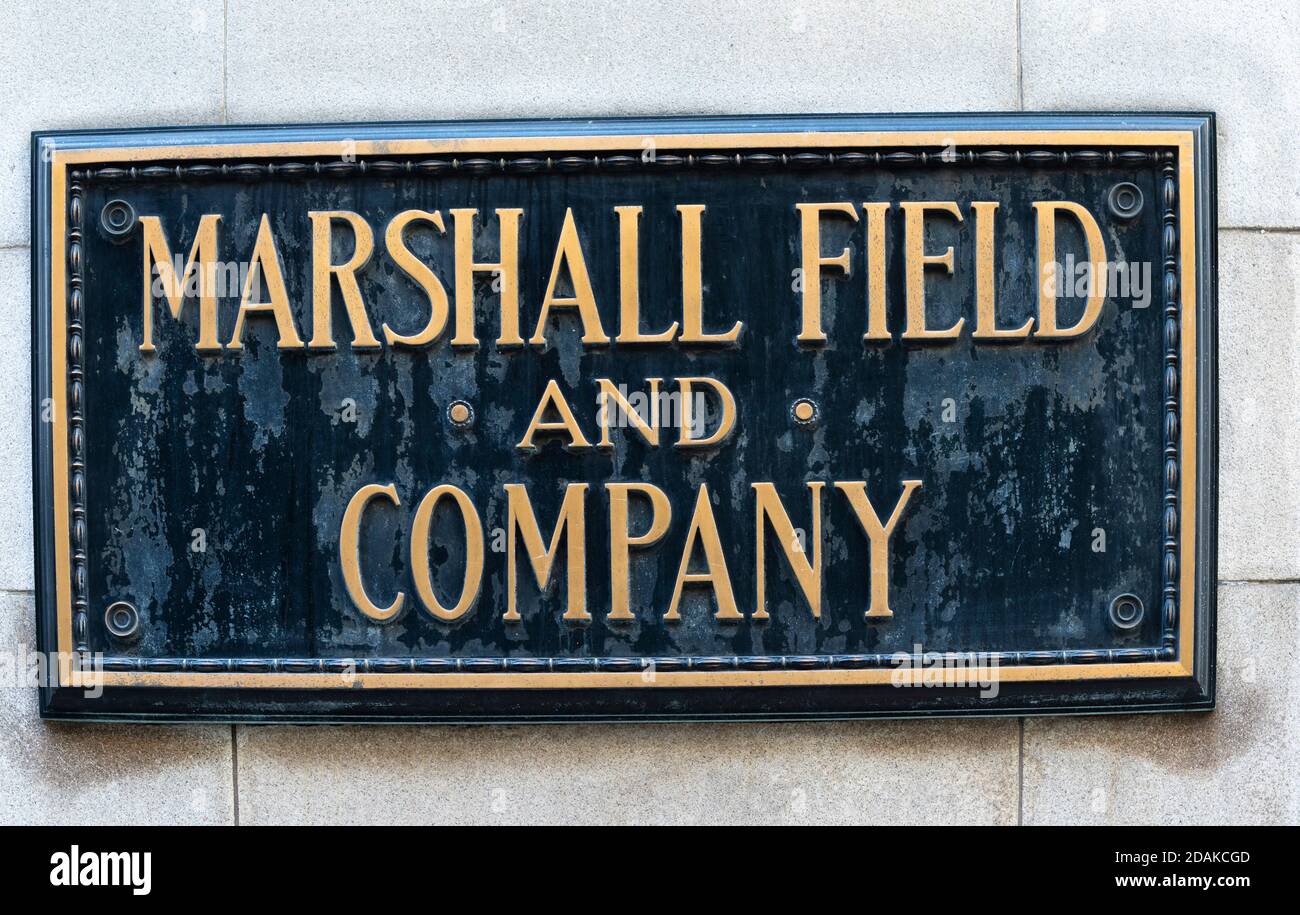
(1125, 200)
(805, 412)
(118, 219)
(122, 620)
(1126, 611)
(460, 414)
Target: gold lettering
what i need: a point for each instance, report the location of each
(768, 508)
(693, 282)
(552, 397)
(621, 539)
(506, 270)
(322, 270)
(420, 553)
(266, 263)
(813, 261)
(877, 320)
(879, 536)
(542, 558)
(569, 252)
(986, 318)
(705, 529)
(1047, 268)
(612, 401)
(350, 552)
(629, 281)
(689, 420)
(419, 272)
(915, 262)
(203, 258)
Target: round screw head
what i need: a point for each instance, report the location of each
(117, 218)
(1126, 611)
(461, 414)
(804, 411)
(1125, 200)
(122, 620)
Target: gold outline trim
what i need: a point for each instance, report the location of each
(1182, 140)
(609, 680)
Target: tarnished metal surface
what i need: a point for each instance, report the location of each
(216, 483)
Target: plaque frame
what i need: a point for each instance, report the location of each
(1178, 674)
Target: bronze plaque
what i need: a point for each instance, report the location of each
(677, 418)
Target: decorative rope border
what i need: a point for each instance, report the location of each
(649, 161)
(76, 415)
(1169, 241)
(429, 167)
(618, 665)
